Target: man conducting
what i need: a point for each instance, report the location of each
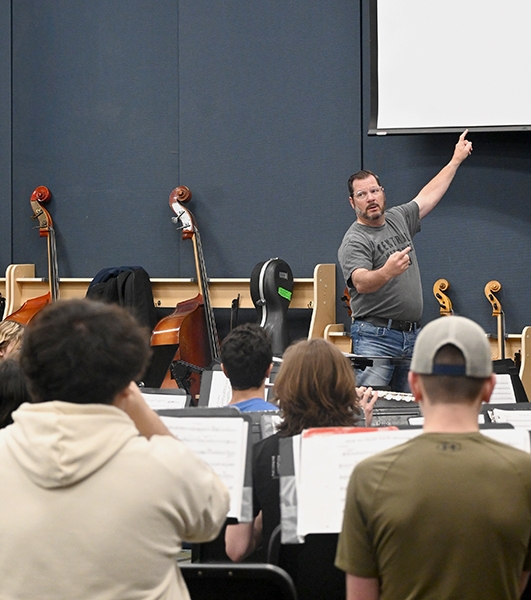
(96, 495)
(380, 267)
(446, 515)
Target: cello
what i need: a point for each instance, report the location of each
(191, 324)
(490, 288)
(445, 304)
(31, 307)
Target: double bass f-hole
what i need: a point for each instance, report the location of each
(445, 304)
(491, 288)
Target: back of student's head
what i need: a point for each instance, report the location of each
(13, 389)
(83, 352)
(246, 355)
(316, 387)
(451, 388)
(452, 357)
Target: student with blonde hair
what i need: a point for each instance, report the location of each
(11, 333)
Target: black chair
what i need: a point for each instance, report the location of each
(216, 581)
(310, 565)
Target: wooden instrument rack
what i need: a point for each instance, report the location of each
(317, 293)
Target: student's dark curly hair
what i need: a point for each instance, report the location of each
(246, 354)
(83, 352)
(316, 387)
(13, 389)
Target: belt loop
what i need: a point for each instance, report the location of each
(389, 323)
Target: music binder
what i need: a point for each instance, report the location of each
(166, 398)
(315, 469)
(222, 438)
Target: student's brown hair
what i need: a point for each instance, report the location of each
(316, 387)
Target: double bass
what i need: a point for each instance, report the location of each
(31, 307)
(191, 324)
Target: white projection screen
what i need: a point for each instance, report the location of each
(446, 65)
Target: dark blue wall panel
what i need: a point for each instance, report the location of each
(5, 135)
(269, 128)
(261, 108)
(254, 106)
(96, 120)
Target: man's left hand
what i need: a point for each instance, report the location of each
(463, 148)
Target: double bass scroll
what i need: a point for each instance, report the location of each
(40, 196)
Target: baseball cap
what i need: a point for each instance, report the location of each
(461, 332)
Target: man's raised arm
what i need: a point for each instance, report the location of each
(430, 195)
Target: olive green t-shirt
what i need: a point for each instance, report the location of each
(443, 516)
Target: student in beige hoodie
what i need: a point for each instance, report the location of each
(96, 495)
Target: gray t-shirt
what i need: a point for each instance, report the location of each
(369, 247)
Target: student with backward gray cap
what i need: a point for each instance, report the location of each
(446, 515)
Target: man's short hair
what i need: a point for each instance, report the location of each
(83, 352)
(363, 174)
(246, 354)
(451, 389)
(452, 356)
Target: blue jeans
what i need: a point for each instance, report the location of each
(369, 340)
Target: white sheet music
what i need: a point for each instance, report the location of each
(327, 460)
(220, 390)
(221, 443)
(328, 456)
(517, 418)
(503, 390)
(164, 401)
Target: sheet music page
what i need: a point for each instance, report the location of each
(518, 438)
(503, 390)
(327, 459)
(165, 401)
(220, 390)
(221, 443)
(517, 418)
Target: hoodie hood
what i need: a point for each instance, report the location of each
(60, 443)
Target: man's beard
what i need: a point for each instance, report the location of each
(373, 216)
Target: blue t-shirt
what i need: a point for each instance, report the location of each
(254, 404)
